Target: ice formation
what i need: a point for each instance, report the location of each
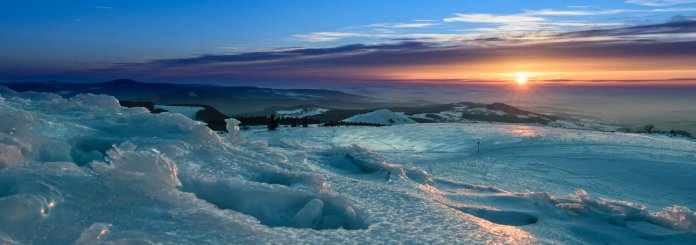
(85, 170)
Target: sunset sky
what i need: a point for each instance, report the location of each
(624, 42)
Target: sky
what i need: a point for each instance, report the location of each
(323, 43)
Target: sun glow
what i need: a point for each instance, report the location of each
(521, 78)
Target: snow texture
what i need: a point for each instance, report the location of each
(84, 170)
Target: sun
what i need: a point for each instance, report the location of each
(521, 78)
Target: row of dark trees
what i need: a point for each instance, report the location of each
(264, 120)
(216, 120)
(273, 122)
(650, 129)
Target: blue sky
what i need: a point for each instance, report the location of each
(59, 35)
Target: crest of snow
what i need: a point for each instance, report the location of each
(302, 112)
(382, 117)
(187, 111)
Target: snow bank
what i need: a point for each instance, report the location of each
(382, 117)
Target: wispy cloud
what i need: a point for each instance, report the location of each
(542, 22)
(413, 25)
(552, 12)
(327, 36)
(681, 27)
(660, 2)
(491, 18)
(416, 24)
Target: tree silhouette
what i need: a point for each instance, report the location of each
(272, 122)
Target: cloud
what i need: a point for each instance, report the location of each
(326, 36)
(490, 18)
(624, 49)
(370, 62)
(660, 2)
(683, 26)
(565, 41)
(540, 23)
(413, 25)
(254, 58)
(551, 12)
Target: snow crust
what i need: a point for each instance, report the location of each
(84, 170)
(382, 117)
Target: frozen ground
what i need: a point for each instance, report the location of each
(85, 170)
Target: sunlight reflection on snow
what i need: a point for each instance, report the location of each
(521, 130)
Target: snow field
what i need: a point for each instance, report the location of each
(85, 170)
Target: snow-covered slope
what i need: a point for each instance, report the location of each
(302, 112)
(532, 184)
(463, 112)
(85, 170)
(382, 117)
(188, 111)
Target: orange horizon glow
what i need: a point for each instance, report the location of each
(541, 71)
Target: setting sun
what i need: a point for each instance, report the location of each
(521, 78)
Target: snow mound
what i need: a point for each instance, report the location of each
(382, 117)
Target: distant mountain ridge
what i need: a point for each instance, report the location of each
(437, 113)
(317, 104)
(229, 100)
